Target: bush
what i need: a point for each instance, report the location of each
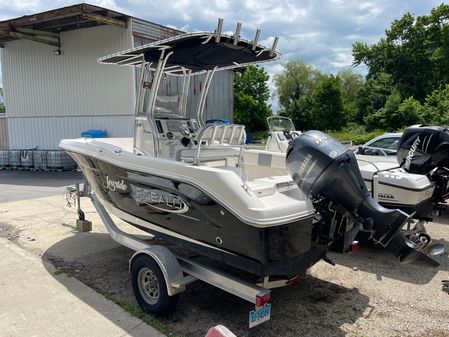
(260, 135)
(355, 133)
(436, 107)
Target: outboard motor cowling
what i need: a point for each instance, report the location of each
(423, 148)
(323, 168)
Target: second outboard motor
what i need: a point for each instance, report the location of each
(323, 168)
(423, 148)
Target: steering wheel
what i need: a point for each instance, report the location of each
(185, 131)
(294, 134)
(287, 135)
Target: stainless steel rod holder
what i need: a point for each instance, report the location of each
(237, 33)
(256, 39)
(273, 48)
(218, 31)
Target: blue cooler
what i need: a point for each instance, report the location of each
(94, 134)
(219, 121)
(249, 138)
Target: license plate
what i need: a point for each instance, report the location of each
(260, 315)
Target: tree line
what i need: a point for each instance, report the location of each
(407, 83)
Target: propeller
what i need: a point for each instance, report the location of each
(403, 248)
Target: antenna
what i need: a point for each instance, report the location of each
(273, 48)
(256, 39)
(237, 33)
(218, 31)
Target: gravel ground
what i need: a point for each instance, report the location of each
(368, 293)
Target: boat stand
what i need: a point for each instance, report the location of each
(177, 272)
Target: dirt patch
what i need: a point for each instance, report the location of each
(10, 233)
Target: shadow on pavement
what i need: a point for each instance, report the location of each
(379, 261)
(312, 307)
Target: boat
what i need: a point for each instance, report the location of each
(416, 189)
(281, 131)
(418, 181)
(415, 181)
(192, 183)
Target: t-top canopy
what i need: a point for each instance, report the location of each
(197, 52)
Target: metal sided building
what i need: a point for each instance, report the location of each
(54, 88)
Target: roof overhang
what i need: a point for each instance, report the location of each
(45, 27)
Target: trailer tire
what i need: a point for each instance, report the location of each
(150, 288)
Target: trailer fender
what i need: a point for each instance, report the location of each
(169, 265)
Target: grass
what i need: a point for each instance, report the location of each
(357, 136)
(63, 270)
(136, 311)
(130, 308)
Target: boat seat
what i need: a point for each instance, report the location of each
(264, 158)
(209, 153)
(216, 142)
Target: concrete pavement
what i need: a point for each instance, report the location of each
(36, 302)
(26, 185)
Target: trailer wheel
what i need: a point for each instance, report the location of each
(149, 287)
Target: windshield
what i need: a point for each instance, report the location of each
(168, 99)
(278, 123)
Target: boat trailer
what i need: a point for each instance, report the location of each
(158, 275)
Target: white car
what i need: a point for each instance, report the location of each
(384, 145)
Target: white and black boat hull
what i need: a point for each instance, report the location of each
(184, 214)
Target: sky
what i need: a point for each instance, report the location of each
(320, 32)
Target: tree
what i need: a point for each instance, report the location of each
(296, 80)
(411, 112)
(327, 104)
(384, 118)
(294, 87)
(396, 114)
(372, 96)
(251, 95)
(314, 100)
(436, 107)
(414, 52)
(299, 112)
(351, 83)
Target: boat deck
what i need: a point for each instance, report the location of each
(126, 144)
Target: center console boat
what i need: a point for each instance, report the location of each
(193, 184)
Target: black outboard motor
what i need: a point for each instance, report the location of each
(424, 149)
(324, 169)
